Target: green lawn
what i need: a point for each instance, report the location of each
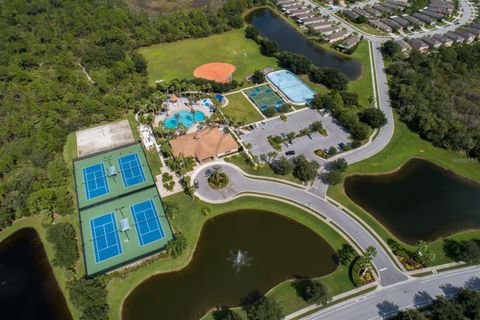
(167, 61)
(240, 110)
(260, 170)
(363, 85)
(190, 221)
(404, 146)
(154, 162)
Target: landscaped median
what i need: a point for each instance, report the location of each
(403, 146)
(189, 220)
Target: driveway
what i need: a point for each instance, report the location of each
(296, 122)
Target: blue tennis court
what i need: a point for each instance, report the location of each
(106, 241)
(147, 223)
(96, 184)
(132, 171)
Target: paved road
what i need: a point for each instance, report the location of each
(416, 292)
(389, 273)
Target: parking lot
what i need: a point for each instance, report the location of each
(296, 122)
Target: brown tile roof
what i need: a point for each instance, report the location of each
(204, 144)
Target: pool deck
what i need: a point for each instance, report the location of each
(174, 107)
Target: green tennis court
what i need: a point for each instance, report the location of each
(264, 97)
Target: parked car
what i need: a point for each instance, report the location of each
(195, 183)
(341, 145)
(310, 136)
(290, 153)
(290, 142)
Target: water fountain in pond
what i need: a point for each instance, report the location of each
(239, 259)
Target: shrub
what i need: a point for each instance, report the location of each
(374, 117)
(205, 211)
(339, 165)
(283, 117)
(176, 246)
(269, 112)
(258, 77)
(264, 308)
(63, 238)
(282, 166)
(333, 177)
(90, 297)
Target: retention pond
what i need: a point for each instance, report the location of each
(275, 28)
(237, 254)
(420, 201)
(28, 288)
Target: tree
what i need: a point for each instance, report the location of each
(282, 166)
(346, 254)
(264, 309)
(442, 309)
(251, 32)
(305, 170)
(317, 126)
(269, 112)
(361, 19)
(469, 300)
(391, 49)
(366, 259)
(334, 79)
(268, 47)
(176, 246)
(339, 165)
(63, 238)
(467, 251)
(258, 77)
(333, 177)
(188, 187)
(374, 117)
(411, 314)
(170, 209)
(225, 313)
(316, 292)
(90, 297)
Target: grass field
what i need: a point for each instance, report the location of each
(240, 110)
(167, 61)
(363, 85)
(404, 146)
(189, 220)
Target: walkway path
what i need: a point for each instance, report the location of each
(239, 184)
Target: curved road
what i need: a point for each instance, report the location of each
(240, 184)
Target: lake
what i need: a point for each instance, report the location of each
(275, 28)
(275, 249)
(28, 287)
(421, 201)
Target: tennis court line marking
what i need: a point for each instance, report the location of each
(105, 186)
(118, 243)
(140, 234)
(123, 169)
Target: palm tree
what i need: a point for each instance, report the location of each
(366, 260)
(423, 252)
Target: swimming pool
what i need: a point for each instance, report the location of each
(183, 117)
(291, 86)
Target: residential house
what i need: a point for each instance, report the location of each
(392, 24)
(454, 37)
(380, 26)
(361, 12)
(424, 18)
(431, 14)
(402, 22)
(309, 21)
(432, 42)
(351, 15)
(382, 8)
(447, 42)
(413, 21)
(404, 45)
(337, 36)
(350, 42)
(418, 45)
(328, 31)
(473, 31)
(469, 37)
(317, 26)
(372, 12)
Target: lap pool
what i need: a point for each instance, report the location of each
(185, 118)
(291, 86)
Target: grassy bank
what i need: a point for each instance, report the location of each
(405, 145)
(167, 61)
(240, 110)
(363, 85)
(190, 221)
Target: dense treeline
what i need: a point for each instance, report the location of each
(438, 96)
(48, 51)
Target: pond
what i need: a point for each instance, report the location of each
(272, 249)
(275, 28)
(28, 287)
(421, 201)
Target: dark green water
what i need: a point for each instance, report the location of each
(278, 249)
(275, 28)
(28, 288)
(421, 201)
